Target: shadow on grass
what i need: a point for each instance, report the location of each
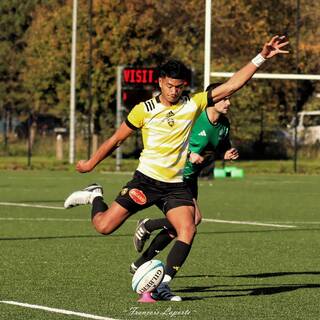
(258, 275)
(239, 291)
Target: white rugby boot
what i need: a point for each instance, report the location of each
(84, 196)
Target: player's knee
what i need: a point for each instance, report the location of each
(103, 228)
(187, 232)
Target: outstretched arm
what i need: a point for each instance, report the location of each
(240, 78)
(105, 149)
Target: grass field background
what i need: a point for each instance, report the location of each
(54, 258)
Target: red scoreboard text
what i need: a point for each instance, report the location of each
(139, 76)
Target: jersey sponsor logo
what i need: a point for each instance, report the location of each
(149, 105)
(138, 196)
(202, 133)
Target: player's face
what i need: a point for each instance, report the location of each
(171, 89)
(223, 106)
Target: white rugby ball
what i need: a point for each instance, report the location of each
(148, 276)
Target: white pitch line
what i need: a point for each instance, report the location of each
(42, 219)
(14, 204)
(300, 222)
(55, 310)
(253, 223)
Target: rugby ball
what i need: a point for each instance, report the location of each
(148, 276)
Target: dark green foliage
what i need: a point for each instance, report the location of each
(35, 50)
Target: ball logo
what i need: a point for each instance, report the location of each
(152, 283)
(138, 196)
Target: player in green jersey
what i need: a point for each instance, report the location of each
(209, 137)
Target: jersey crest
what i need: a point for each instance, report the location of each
(170, 120)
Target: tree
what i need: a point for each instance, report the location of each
(15, 17)
(145, 33)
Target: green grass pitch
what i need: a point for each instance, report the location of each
(268, 267)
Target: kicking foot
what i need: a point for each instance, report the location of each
(84, 196)
(163, 292)
(141, 235)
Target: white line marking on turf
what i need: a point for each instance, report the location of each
(43, 219)
(135, 221)
(253, 223)
(55, 310)
(29, 205)
(299, 222)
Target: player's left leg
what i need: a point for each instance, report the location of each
(160, 241)
(182, 218)
(144, 229)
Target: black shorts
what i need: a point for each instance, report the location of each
(192, 185)
(143, 192)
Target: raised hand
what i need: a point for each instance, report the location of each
(274, 47)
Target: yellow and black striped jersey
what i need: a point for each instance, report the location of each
(165, 134)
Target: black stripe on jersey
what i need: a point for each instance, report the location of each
(149, 105)
(130, 125)
(185, 98)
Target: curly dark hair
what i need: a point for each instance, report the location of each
(174, 69)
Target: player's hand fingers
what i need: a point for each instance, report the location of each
(273, 40)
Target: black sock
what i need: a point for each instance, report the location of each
(156, 224)
(177, 255)
(98, 205)
(161, 240)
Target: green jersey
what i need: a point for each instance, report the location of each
(207, 139)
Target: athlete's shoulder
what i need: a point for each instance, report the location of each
(199, 95)
(200, 99)
(149, 105)
(145, 106)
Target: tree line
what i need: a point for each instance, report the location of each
(35, 53)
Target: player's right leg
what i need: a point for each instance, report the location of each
(106, 222)
(133, 197)
(105, 219)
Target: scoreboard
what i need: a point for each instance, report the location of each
(140, 84)
(138, 76)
